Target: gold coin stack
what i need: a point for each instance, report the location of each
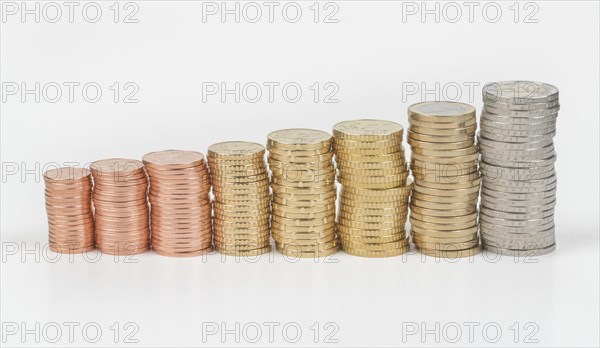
(444, 165)
(69, 207)
(121, 206)
(304, 193)
(242, 205)
(374, 194)
(180, 204)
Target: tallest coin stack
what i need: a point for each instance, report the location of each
(518, 124)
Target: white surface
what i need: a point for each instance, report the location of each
(368, 54)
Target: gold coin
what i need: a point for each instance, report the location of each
(449, 185)
(421, 204)
(444, 125)
(450, 253)
(446, 160)
(471, 231)
(399, 244)
(377, 254)
(345, 238)
(443, 226)
(339, 143)
(441, 112)
(293, 252)
(286, 153)
(444, 193)
(446, 246)
(353, 203)
(458, 198)
(367, 129)
(469, 218)
(446, 153)
(368, 225)
(441, 146)
(359, 211)
(423, 238)
(237, 150)
(299, 138)
(443, 132)
(350, 232)
(351, 217)
(443, 213)
(242, 252)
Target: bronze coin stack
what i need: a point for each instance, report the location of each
(242, 205)
(121, 206)
(373, 173)
(69, 207)
(180, 203)
(304, 192)
(446, 189)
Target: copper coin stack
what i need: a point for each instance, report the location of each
(304, 192)
(121, 206)
(446, 189)
(69, 207)
(180, 203)
(242, 205)
(374, 194)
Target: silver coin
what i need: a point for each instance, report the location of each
(487, 123)
(515, 229)
(518, 120)
(524, 107)
(518, 244)
(487, 150)
(545, 239)
(519, 113)
(517, 216)
(533, 132)
(517, 174)
(485, 198)
(513, 193)
(515, 222)
(519, 253)
(536, 163)
(515, 139)
(534, 184)
(520, 92)
(514, 146)
(516, 236)
(522, 209)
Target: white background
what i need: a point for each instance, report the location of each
(373, 53)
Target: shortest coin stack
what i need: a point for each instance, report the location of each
(241, 210)
(69, 208)
(180, 203)
(121, 206)
(303, 183)
(444, 160)
(374, 194)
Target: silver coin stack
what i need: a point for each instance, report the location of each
(518, 123)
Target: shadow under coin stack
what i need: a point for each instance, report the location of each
(69, 207)
(518, 124)
(446, 189)
(242, 206)
(180, 204)
(121, 206)
(374, 194)
(304, 193)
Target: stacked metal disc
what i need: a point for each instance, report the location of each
(304, 193)
(242, 205)
(374, 194)
(518, 124)
(181, 208)
(69, 207)
(446, 189)
(121, 206)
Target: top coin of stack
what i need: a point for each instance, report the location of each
(518, 124)
(69, 208)
(180, 203)
(444, 165)
(374, 201)
(303, 183)
(242, 198)
(121, 206)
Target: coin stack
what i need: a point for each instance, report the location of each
(121, 206)
(446, 189)
(242, 206)
(518, 124)
(181, 223)
(69, 207)
(304, 193)
(374, 194)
